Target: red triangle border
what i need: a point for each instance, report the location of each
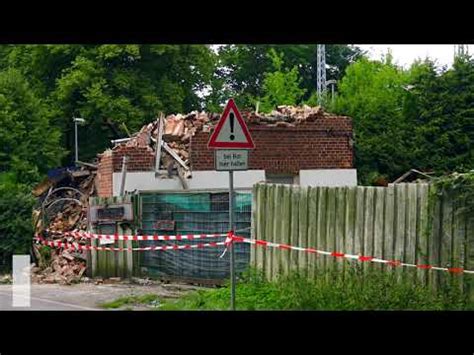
(243, 145)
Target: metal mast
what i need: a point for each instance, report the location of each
(460, 50)
(321, 73)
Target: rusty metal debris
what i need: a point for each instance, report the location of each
(61, 206)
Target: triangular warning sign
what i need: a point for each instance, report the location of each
(231, 130)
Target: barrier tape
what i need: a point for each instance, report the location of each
(263, 243)
(230, 238)
(76, 246)
(88, 235)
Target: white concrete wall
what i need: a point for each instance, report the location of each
(201, 180)
(328, 177)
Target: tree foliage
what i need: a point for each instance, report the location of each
(280, 87)
(416, 118)
(242, 68)
(29, 143)
(373, 94)
(16, 229)
(111, 85)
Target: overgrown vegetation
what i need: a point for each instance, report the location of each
(16, 228)
(376, 290)
(147, 299)
(460, 187)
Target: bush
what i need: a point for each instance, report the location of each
(16, 228)
(352, 290)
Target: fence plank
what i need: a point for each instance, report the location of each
(379, 212)
(312, 228)
(400, 211)
(459, 240)
(350, 224)
(434, 242)
(350, 215)
(446, 236)
(410, 227)
(400, 230)
(369, 224)
(322, 221)
(303, 229)
(259, 253)
(389, 232)
(340, 223)
(423, 234)
(286, 227)
(331, 225)
(277, 230)
(270, 236)
(294, 255)
(359, 221)
(254, 221)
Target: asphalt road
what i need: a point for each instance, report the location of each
(82, 297)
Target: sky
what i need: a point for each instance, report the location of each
(405, 54)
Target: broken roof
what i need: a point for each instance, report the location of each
(179, 128)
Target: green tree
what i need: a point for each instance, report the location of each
(16, 229)
(373, 93)
(280, 87)
(29, 143)
(242, 67)
(442, 112)
(111, 85)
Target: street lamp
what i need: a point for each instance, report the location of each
(331, 82)
(77, 121)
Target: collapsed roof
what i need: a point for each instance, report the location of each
(178, 129)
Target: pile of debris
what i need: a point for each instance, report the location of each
(62, 200)
(178, 129)
(287, 116)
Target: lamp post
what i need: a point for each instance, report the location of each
(77, 121)
(332, 83)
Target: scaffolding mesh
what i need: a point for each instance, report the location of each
(183, 213)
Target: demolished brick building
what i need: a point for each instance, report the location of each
(302, 145)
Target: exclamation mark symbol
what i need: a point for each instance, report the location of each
(231, 117)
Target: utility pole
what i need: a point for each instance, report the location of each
(321, 73)
(77, 121)
(460, 50)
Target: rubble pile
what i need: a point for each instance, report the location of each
(61, 207)
(179, 128)
(287, 116)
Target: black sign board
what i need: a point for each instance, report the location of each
(111, 213)
(165, 225)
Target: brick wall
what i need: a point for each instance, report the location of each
(104, 175)
(139, 158)
(321, 144)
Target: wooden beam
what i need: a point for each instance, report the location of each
(159, 143)
(174, 155)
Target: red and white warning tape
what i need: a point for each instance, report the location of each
(76, 246)
(229, 240)
(83, 234)
(232, 238)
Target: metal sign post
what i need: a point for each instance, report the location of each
(232, 251)
(232, 140)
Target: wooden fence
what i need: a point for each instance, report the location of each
(396, 222)
(106, 263)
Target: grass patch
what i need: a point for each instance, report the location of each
(147, 299)
(352, 290)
